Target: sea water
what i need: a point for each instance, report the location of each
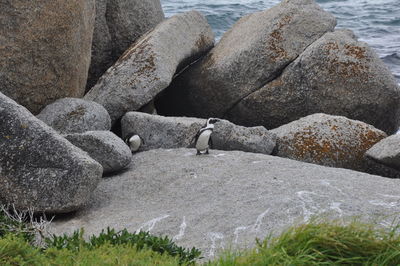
(376, 22)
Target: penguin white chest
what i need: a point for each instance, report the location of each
(134, 143)
(202, 141)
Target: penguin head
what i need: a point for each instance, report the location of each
(212, 121)
(128, 137)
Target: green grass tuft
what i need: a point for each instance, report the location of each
(17, 244)
(141, 240)
(14, 250)
(323, 243)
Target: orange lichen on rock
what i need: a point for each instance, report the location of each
(349, 67)
(309, 147)
(369, 138)
(331, 46)
(138, 47)
(330, 144)
(275, 83)
(276, 38)
(346, 69)
(355, 51)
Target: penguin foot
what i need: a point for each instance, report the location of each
(198, 152)
(207, 152)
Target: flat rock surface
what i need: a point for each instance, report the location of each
(228, 198)
(73, 115)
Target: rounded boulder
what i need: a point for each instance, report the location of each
(334, 141)
(72, 115)
(105, 147)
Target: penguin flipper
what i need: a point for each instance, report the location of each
(127, 137)
(195, 138)
(210, 143)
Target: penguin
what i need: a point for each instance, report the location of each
(134, 142)
(203, 139)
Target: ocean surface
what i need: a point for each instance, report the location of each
(376, 22)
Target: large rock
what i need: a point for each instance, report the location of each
(118, 24)
(105, 147)
(179, 132)
(227, 199)
(39, 169)
(45, 50)
(336, 75)
(374, 167)
(252, 53)
(149, 65)
(334, 141)
(386, 151)
(72, 115)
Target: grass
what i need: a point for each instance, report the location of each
(14, 250)
(18, 232)
(323, 243)
(314, 243)
(141, 240)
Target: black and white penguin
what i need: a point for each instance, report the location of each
(134, 141)
(203, 137)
